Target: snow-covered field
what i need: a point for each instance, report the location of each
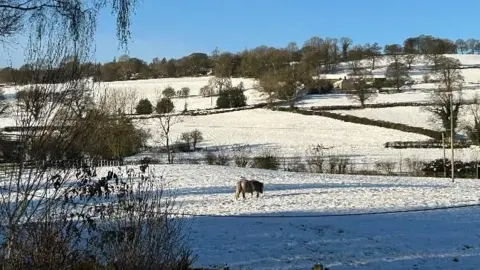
(423, 240)
(152, 90)
(413, 116)
(289, 134)
(419, 68)
(408, 96)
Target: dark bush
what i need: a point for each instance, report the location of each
(144, 107)
(181, 147)
(326, 89)
(313, 91)
(210, 158)
(241, 160)
(216, 159)
(232, 98)
(222, 159)
(223, 101)
(437, 168)
(164, 105)
(146, 161)
(378, 84)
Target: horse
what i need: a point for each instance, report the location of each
(248, 186)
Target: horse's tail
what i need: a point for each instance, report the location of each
(238, 190)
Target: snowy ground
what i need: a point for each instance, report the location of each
(424, 240)
(260, 239)
(204, 189)
(412, 116)
(152, 89)
(343, 99)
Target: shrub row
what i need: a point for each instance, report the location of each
(426, 144)
(436, 168)
(367, 121)
(265, 161)
(209, 111)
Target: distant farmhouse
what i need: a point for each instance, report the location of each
(347, 83)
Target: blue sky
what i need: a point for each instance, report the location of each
(177, 28)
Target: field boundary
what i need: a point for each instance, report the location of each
(208, 111)
(377, 106)
(369, 106)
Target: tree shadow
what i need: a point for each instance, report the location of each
(386, 241)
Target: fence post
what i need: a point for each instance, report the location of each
(400, 165)
(476, 170)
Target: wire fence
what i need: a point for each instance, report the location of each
(326, 164)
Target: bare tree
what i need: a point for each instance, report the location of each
(373, 53)
(78, 17)
(184, 92)
(4, 104)
(462, 46)
(398, 74)
(132, 98)
(362, 89)
(449, 74)
(46, 134)
(285, 84)
(217, 84)
(166, 122)
(206, 91)
(472, 124)
(144, 231)
(409, 59)
(447, 100)
(268, 84)
(196, 137)
(394, 52)
(345, 44)
(114, 101)
(356, 67)
(471, 44)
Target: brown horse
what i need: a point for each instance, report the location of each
(248, 186)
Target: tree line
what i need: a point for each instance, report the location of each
(319, 55)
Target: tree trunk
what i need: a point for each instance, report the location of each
(362, 104)
(169, 154)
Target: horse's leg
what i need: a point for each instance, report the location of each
(258, 194)
(243, 193)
